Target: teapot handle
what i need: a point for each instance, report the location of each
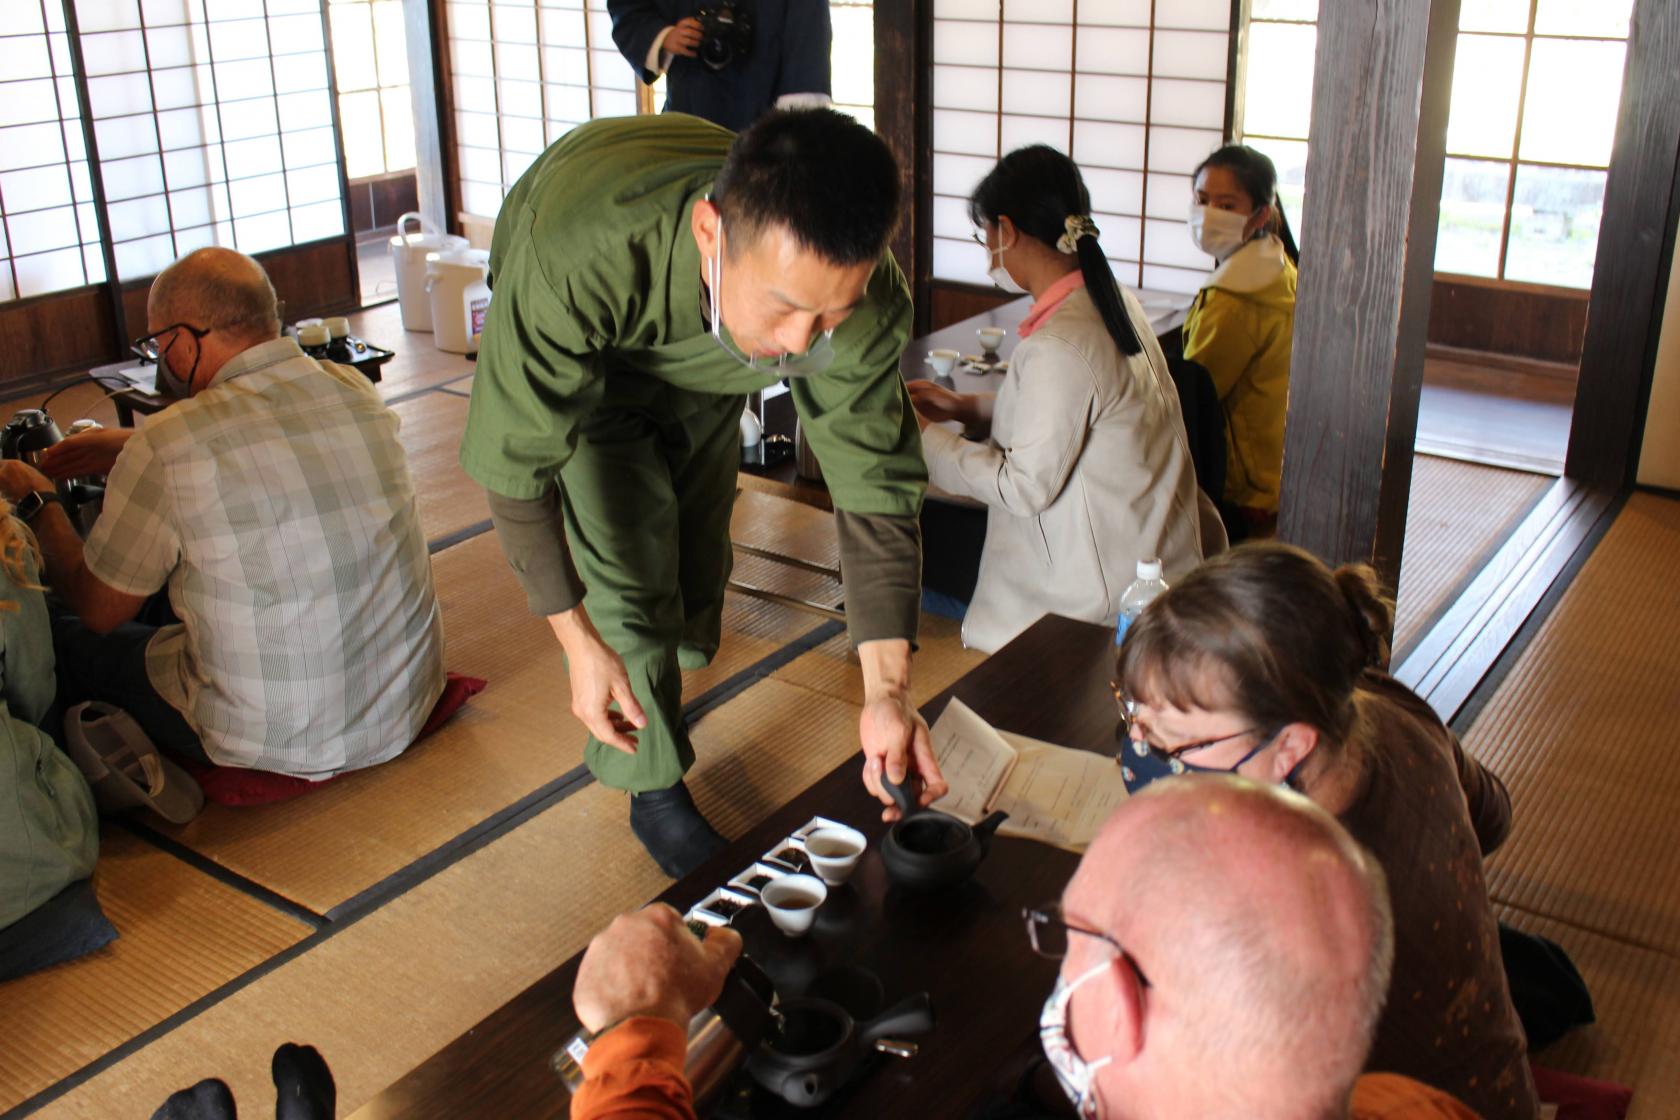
(903, 793)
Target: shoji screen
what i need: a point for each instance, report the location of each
(375, 107)
(1134, 90)
(524, 73)
(49, 236)
(214, 125)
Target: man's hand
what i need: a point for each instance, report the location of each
(650, 963)
(684, 38)
(18, 479)
(598, 680)
(894, 735)
(85, 453)
(937, 404)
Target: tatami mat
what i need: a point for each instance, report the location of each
(183, 934)
(323, 849)
(787, 582)
(833, 670)
(1457, 516)
(449, 501)
(785, 528)
(417, 363)
(1581, 730)
(1636, 995)
(388, 992)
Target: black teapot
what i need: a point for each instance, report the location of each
(815, 1047)
(926, 849)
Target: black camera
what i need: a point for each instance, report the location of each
(725, 33)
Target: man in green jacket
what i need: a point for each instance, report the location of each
(649, 273)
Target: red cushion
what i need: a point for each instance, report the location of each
(1582, 1098)
(230, 785)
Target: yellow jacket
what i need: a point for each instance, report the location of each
(1242, 327)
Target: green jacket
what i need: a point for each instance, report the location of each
(49, 831)
(1242, 328)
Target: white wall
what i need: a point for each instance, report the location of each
(1659, 463)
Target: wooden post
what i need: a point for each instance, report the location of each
(903, 88)
(1630, 279)
(1381, 85)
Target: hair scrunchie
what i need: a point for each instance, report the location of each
(1075, 227)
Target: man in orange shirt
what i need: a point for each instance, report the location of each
(1225, 949)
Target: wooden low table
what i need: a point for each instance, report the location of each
(966, 947)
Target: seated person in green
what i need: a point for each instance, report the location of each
(1241, 326)
(649, 273)
(1265, 663)
(49, 833)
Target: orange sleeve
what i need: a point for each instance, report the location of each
(1388, 1096)
(635, 1071)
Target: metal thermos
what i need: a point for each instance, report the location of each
(28, 433)
(718, 1037)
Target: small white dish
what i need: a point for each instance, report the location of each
(943, 361)
(793, 901)
(835, 852)
(990, 339)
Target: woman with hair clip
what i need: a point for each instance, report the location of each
(49, 832)
(1080, 457)
(1265, 663)
(1241, 327)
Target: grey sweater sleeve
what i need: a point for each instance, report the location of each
(533, 537)
(881, 565)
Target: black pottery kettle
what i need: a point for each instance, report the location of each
(815, 1046)
(28, 433)
(926, 849)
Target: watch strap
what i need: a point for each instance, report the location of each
(34, 502)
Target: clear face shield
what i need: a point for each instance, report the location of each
(817, 357)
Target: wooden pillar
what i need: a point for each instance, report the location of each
(903, 87)
(1381, 86)
(1630, 279)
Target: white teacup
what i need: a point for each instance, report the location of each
(835, 852)
(792, 901)
(991, 338)
(943, 361)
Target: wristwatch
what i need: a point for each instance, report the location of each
(33, 503)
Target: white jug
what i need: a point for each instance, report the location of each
(408, 256)
(456, 284)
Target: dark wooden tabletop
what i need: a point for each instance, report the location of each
(966, 947)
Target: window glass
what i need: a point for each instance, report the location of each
(1554, 225)
(1472, 217)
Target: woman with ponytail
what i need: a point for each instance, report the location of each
(1080, 457)
(1241, 326)
(1266, 663)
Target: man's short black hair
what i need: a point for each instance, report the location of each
(818, 173)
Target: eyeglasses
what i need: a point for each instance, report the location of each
(1049, 934)
(1174, 756)
(146, 346)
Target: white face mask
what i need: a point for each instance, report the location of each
(1077, 1076)
(1218, 233)
(1000, 275)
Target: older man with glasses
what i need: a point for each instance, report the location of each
(1225, 951)
(274, 503)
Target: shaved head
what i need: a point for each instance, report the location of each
(216, 289)
(1265, 932)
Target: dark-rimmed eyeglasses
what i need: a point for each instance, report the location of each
(146, 346)
(1169, 755)
(1049, 933)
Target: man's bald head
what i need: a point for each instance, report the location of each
(217, 290)
(1265, 932)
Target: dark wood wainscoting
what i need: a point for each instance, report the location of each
(1525, 321)
(952, 303)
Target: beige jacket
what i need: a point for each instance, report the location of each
(1086, 471)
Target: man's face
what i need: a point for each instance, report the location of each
(774, 296)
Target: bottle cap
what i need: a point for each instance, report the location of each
(313, 335)
(1149, 569)
(338, 326)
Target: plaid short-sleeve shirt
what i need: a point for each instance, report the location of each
(277, 506)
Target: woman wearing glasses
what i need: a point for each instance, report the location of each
(1080, 457)
(1264, 662)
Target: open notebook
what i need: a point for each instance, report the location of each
(1054, 794)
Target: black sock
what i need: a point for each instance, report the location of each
(210, 1099)
(303, 1083)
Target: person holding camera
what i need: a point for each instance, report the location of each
(729, 61)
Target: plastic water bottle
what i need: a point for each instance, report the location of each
(1138, 595)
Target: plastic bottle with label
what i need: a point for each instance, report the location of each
(1138, 595)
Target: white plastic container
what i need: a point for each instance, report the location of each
(457, 285)
(408, 257)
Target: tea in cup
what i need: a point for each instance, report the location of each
(835, 852)
(792, 902)
(990, 339)
(943, 361)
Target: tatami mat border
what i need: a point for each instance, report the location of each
(459, 536)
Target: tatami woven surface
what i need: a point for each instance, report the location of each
(391, 990)
(786, 528)
(182, 935)
(798, 586)
(833, 670)
(1582, 732)
(448, 500)
(324, 848)
(1457, 516)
